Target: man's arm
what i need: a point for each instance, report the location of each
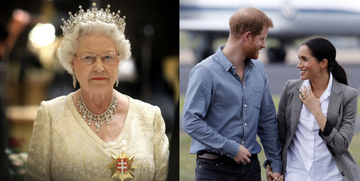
(197, 101)
(268, 130)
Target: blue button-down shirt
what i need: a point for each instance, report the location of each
(221, 113)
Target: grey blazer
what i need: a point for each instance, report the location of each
(341, 114)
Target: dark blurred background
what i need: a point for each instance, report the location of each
(30, 72)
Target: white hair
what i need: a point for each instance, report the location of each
(70, 43)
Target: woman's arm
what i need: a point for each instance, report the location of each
(338, 139)
(38, 162)
(161, 147)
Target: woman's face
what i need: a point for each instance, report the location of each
(309, 67)
(100, 74)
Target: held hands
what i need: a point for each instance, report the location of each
(243, 155)
(309, 99)
(273, 176)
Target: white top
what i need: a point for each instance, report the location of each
(308, 158)
(63, 146)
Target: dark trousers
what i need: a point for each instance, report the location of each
(213, 170)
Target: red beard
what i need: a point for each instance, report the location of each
(251, 51)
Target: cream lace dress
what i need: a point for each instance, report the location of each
(63, 147)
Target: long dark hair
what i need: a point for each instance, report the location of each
(322, 48)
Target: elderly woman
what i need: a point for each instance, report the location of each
(96, 133)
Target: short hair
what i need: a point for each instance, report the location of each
(248, 19)
(70, 43)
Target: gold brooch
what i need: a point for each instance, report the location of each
(122, 167)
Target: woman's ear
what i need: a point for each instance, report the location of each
(72, 65)
(324, 63)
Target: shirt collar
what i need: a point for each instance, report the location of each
(226, 62)
(327, 91)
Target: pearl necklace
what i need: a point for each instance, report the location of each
(98, 119)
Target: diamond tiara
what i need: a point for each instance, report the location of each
(93, 15)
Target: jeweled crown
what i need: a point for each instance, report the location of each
(93, 15)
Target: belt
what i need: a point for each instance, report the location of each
(223, 159)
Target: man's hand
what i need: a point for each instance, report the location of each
(273, 176)
(242, 155)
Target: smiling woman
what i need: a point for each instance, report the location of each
(96, 132)
(317, 125)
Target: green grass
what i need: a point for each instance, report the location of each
(188, 161)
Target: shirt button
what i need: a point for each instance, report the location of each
(233, 73)
(242, 142)
(244, 86)
(228, 155)
(245, 124)
(244, 105)
(233, 67)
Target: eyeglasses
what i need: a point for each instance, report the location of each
(89, 58)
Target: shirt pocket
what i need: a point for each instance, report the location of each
(257, 95)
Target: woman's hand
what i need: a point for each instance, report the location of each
(273, 176)
(313, 105)
(309, 100)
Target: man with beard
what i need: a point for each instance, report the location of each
(228, 102)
